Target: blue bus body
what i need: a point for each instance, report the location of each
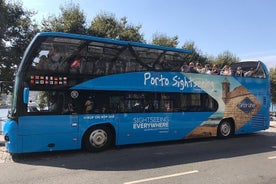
(243, 101)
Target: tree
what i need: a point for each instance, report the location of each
(196, 56)
(104, 25)
(164, 40)
(272, 73)
(43, 100)
(16, 32)
(71, 20)
(129, 32)
(107, 26)
(226, 58)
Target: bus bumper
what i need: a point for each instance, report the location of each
(10, 138)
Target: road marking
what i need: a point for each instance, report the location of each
(161, 177)
(274, 157)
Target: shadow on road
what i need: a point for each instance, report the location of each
(147, 156)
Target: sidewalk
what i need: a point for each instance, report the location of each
(272, 124)
(4, 155)
(2, 142)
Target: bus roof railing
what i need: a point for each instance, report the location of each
(113, 41)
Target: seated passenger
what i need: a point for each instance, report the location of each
(86, 66)
(215, 70)
(76, 65)
(184, 67)
(226, 70)
(192, 68)
(137, 107)
(54, 59)
(239, 72)
(53, 107)
(206, 69)
(250, 73)
(199, 68)
(89, 105)
(42, 65)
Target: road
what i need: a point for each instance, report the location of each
(239, 160)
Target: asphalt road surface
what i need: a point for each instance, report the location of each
(239, 160)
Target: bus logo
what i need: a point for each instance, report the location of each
(74, 94)
(246, 105)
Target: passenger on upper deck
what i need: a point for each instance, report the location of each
(250, 73)
(206, 69)
(192, 68)
(226, 70)
(54, 58)
(43, 64)
(215, 70)
(184, 67)
(76, 65)
(239, 72)
(199, 68)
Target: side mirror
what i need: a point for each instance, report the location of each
(26, 95)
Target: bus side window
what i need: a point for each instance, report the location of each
(86, 66)
(43, 63)
(166, 103)
(118, 67)
(99, 67)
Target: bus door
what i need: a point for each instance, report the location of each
(51, 122)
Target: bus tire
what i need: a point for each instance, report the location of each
(225, 129)
(97, 138)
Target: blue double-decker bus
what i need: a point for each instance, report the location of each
(75, 91)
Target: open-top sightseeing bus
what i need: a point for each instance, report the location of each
(75, 91)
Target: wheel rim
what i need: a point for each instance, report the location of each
(98, 138)
(225, 129)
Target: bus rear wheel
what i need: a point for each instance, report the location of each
(225, 129)
(97, 138)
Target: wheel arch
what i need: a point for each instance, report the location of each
(232, 123)
(107, 124)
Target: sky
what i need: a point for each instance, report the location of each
(246, 28)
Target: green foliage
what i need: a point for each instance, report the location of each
(164, 40)
(43, 100)
(1, 100)
(196, 56)
(129, 32)
(226, 58)
(106, 25)
(5, 86)
(16, 32)
(71, 20)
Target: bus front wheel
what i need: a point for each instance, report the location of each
(225, 129)
(97, 138)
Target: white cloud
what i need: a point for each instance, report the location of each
(270, 61)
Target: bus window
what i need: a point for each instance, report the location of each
(46, 102)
